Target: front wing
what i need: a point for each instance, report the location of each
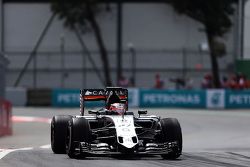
(103, 149)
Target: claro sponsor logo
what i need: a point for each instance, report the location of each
(172, 98)
(239, 99)
(102, 92)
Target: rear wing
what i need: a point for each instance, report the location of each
(101, 94)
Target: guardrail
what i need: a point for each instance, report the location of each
(5, 118)
(211, 98)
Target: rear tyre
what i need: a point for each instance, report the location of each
(59, 126)
(78, 131)
(171, 131)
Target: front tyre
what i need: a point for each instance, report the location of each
(59, 125)
(78, 131)
(171, 132)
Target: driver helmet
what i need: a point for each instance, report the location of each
(118, 108)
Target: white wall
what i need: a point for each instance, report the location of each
(158, 34)
(148, 26)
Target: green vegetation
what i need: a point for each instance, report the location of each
(81, 15)
(215, 16)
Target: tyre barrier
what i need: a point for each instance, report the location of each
(5, 118)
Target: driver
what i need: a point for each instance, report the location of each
(117, 108)
(113, 98)
(115, 105)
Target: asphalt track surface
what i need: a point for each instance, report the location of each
(210, 138)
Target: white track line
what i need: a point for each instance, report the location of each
(4, 152)
(48, 146)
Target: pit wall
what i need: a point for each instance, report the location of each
(5, 118)
(212, 98)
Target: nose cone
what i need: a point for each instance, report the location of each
(128, 141)
(125, 130)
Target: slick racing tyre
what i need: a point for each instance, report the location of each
(78, 131)
(59, 126)
(171, 132)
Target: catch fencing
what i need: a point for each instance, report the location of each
(74, 70)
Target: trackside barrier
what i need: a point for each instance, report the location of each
(172, 98)
(17, 96)
(39, 97)
(237, 99)
(5, 118)
(212, 98)
(215, 98)
(229, 99)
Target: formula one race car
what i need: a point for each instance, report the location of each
(113, 130)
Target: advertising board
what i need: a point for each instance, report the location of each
(172, 98)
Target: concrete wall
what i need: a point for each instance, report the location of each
(157, 33)
(17, 96)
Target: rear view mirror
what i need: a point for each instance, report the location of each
(142, 112)
(92, 112)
